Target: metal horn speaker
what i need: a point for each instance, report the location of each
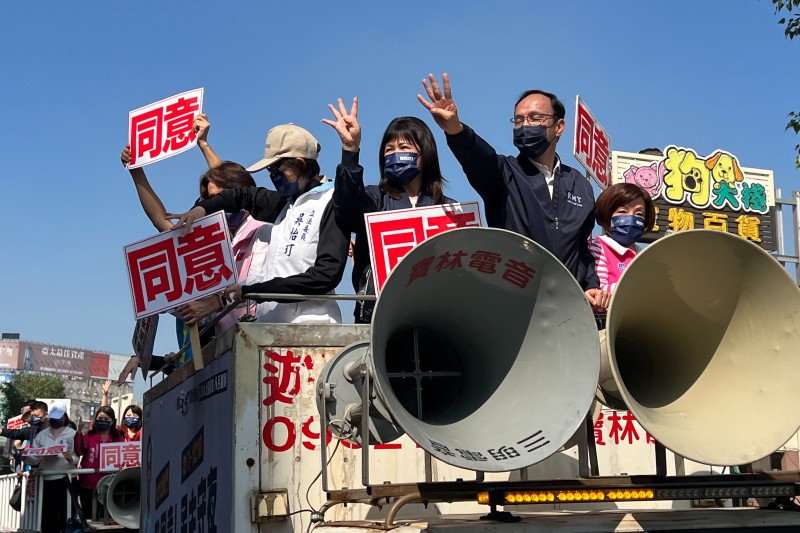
(703, 344)
(483, 350)
(123, 497)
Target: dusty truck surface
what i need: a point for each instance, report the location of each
(444, 415)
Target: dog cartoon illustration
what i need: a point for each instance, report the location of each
(686, 173)
(724, 167)
(648, 178)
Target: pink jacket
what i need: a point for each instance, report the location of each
(610, 260)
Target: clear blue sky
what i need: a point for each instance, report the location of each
(704, 75)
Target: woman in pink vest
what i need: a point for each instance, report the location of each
(104, 429)
(625, 212)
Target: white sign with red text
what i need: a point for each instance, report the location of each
(119, 455)
(163, 129)
(52, 450)
(392, 234)
(14, 422)
(592, 144)
(170, 269)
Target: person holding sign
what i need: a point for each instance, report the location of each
(54, 490)
(625, 212)
(222, 175)
(104, 429)
(307, 248)
(533, 193)
(409, 177)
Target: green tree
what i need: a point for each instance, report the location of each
(789, 11)
(25, 386)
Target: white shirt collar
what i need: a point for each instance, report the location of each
(617, 247)
(549, 177)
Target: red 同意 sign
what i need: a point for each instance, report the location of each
(170, 268)
(52, 450)
(393, 234)
(592, 144)
(14, 422)
(163, 129)
(118, 455)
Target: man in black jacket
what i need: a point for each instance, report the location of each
(533, 193)
(38, 422)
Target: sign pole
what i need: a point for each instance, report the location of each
(197, 349)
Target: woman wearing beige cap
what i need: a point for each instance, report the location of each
(306, 250)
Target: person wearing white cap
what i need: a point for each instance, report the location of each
(306, 249)
(54, 490)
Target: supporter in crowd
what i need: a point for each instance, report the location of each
(18, 445)
(132, 423)
(104, 429)
(533, 193)
(221, 175)
(625, 212)
(38, 422)
(307, 248)
(54, 488)
(408, 164)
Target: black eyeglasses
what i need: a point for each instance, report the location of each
(534, 119)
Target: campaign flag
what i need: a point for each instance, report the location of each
(118, 455)
(170, 269)
(392, 234)
(164, 128)
(592, 144)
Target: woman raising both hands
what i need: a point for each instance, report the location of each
(408, 164)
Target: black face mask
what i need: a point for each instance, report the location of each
(56, 423)
(531, 140)
(36, 421)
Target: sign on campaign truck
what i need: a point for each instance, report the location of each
(392, 234)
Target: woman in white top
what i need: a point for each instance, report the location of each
(54, 488)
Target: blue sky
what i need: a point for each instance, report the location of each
(704, 75)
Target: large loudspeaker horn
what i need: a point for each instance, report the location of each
(703, 341)
(482, 367)
(123, 497)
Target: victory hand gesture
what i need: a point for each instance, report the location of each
(346, 125)
(441, 105)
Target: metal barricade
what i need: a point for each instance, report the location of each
(9, 518)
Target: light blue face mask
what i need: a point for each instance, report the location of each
(401, 167)
(626, 229)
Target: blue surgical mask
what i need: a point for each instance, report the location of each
(401, 167)
(531, 140)
(132, 421)
(56, 423)
(102, 425)
(36, 420)
(626, 229)
(235, 219)
(288, 189)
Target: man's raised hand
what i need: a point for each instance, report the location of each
(441, 105)
(346, 125)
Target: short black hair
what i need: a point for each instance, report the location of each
(651, 151)
(559, 111)
(39, 405)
